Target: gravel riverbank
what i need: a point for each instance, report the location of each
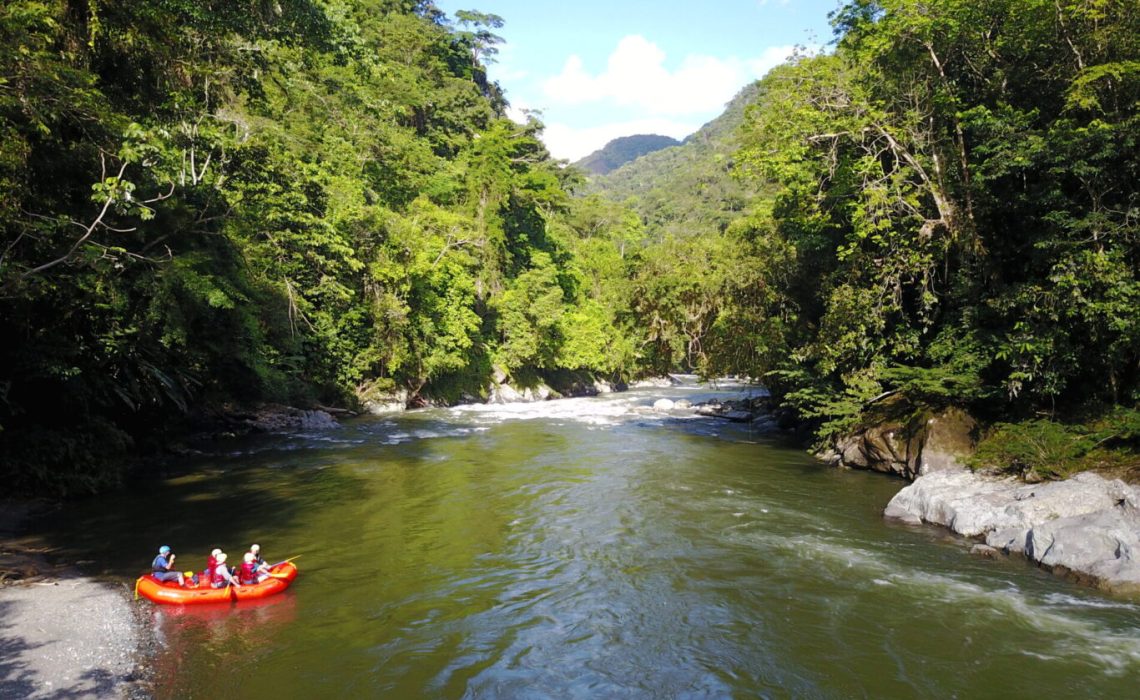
(63, 634)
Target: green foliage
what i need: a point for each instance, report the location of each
(961, 203)
(217, 202)
(1046, 448)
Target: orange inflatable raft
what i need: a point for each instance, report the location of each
(169, 592)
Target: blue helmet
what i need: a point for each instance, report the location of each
(164, 550)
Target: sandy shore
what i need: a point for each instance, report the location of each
(62, 634)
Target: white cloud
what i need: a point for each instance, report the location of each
(573, 143)
(517, 111)
(636, 76)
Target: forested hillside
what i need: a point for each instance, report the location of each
(215, 202)
(955, 220)
(210, 203)
(622, 150)
(688, 188)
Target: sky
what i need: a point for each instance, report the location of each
(600, 69)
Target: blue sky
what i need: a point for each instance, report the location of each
(601, 69)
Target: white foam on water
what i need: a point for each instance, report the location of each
(1114, 652)
(588, 410)
(1070, 601)
(1061, 634)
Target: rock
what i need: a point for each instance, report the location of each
(949, 438)
(503, 393)
(902, 446)
(499, 392)
(742, 411)
(985, 551)
(603, 387)
(317, 420)
(1087, 526)
(499, 375)
(663, 405)
(683, 403)
(393, 404)
(274, 418)
(379, 398)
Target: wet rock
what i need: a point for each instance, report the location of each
(1087, 527)
(683, 404)
(317, 420)
(742, 411)
(985, 551)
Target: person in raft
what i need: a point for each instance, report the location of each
(262, 566)
(220, 575)
(162, 569)
(211, 564)
(250, 572)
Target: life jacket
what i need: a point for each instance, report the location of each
(215, 577)
(156, 567)
(248, 573)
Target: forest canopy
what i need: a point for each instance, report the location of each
(208, 203)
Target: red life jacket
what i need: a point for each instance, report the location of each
(215, 577)
(248, 573)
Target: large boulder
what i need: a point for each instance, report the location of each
(393, 401)
(735, 410)
(275, 418)
(908, 446)
(1086, 526)
(500, 391)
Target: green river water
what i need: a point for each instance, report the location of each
(589, 548)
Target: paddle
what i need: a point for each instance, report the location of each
(273, 575)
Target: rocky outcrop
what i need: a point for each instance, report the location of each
(390, 402)
(379, 397)
(909, 446)
(737, 411)
(273, 418)
(500, 390)
(1086, 527)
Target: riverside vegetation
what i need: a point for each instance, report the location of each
(208, 202)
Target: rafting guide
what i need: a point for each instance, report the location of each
(162, 565)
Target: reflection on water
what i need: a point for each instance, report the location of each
(591, 548)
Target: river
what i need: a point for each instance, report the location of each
(589, 548)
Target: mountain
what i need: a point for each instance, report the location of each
(688, 188)
(622, 150)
